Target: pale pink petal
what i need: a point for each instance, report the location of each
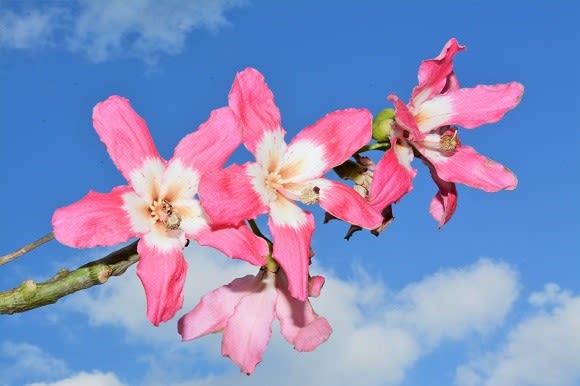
(248, 330)
(253, 102)
(469, 107)
(237, 242)
(315, 284)
(466, 166)
(299, 324)
(214, 309)
(98, 219)
(393, 177)
(444, 204)
(162, 273)
(347, 204)
(208, 148)
(338, 135)
(124, 133)
(434, 74)
(292, 250)
(228, 196)
(405, 118)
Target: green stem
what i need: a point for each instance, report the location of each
(375, 146)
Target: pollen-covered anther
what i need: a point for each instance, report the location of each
(448, 142)
(162, 211)
(310, 195)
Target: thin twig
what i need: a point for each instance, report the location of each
(27, 248)
(30, 295)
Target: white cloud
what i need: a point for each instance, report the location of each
(96, 378)
(26, 360)
(543, 350)
(378, 334)
(110, 29)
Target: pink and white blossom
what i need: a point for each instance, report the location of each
(158, 204)
(287, 173)
(426, 128)
(244, 311)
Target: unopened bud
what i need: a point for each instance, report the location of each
(383, 125)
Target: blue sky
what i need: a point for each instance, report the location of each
(491, 299)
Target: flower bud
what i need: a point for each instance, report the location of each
(382, 125)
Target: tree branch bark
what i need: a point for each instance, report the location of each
(30, 295)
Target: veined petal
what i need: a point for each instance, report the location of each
(236, 242)
(345, 203)
(337, 136)
(208, 148)
(214, 309)
(162, 273)
(124, 133)
(434, 74)
(228, 196)
(299, 324)
(405, 118)
(292, 249)
(444, 204)
(468, 107)
(98, 219)
(248, 330)
(393, 177)
(466, 166)
(253, 102)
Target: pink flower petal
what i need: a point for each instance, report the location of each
(208, 148)
(253, 102)
(98, 219)
(215, 308)
(434, 74)
(345, 203)
(469, 107)
(444, 204)
(393, 177)
(313, 335)
(339, 134)
(405, 118)
(292, 251)
(248, 330)
(468, 167)
(237, 242)
(124, 133)
(162, 273)
(315, 284)
(228, 196)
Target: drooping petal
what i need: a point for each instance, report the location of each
(393, 177)
(208, 148)
(236, 242)
(162, 273)
(248, 330)
(228, 196)
(337, 136)
(434, 74)
(98, 219)
(215, 308)
(345, 203)
(253, 102)
(124, 133)
(299, 324)
(466, 166)
(292, 233)
(444, 204)
(405, 118)
(468, 107)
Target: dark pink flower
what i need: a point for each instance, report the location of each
(158, 204)
(244, 311)
(426, 127)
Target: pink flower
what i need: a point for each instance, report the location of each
(158, 204)
(285, 173)
(245, 309)
(426, 127)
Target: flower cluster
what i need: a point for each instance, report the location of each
(192, 197)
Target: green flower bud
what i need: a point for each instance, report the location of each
(382, 125)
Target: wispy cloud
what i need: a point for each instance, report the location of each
(110, 29)
(22, 361)
(95, 378)
(542, 350)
